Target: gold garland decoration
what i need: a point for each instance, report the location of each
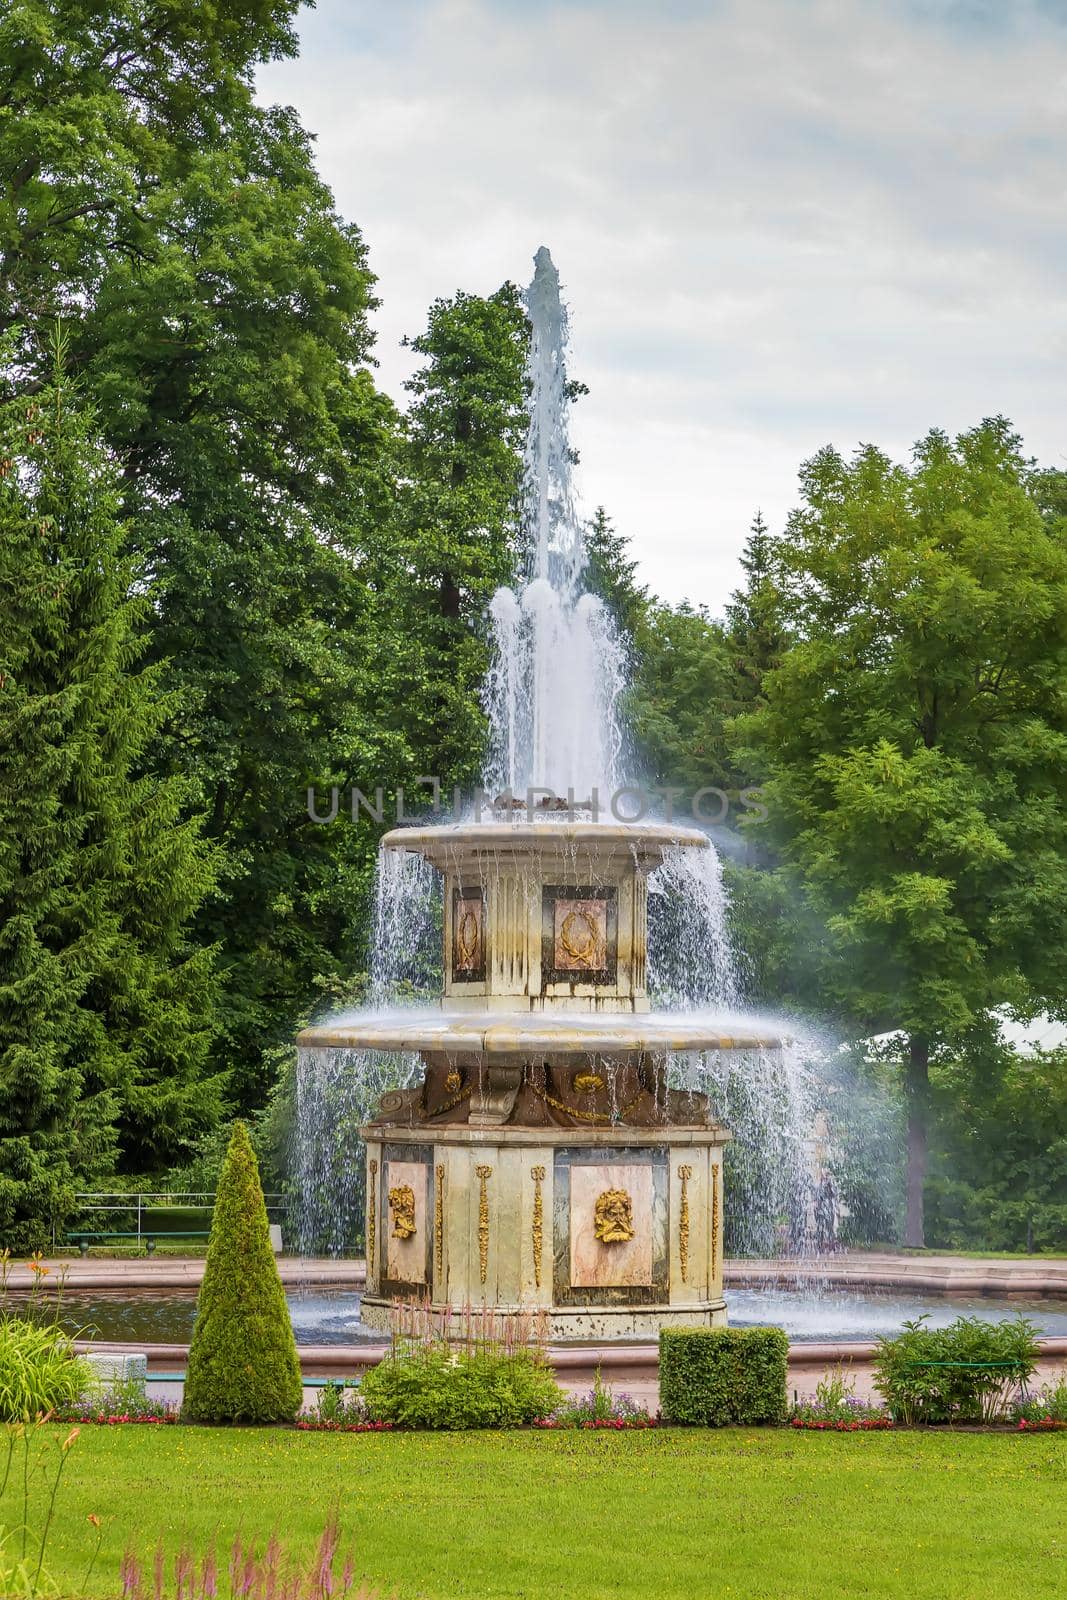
(685, 1173)
(537, 1228)
(439, 1222)
(586, 1116)
(484, 1174)
(715, 1180)
(372, 1214)
(447, 1105)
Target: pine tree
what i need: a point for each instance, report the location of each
(243, 1363)
(611, 573)
(754, 628)
(105, 1013)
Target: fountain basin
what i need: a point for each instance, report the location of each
(533, 1032)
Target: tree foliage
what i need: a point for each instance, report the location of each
(913, 741)
(105, 1008)
(243, 1363)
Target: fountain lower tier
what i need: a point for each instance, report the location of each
(598, 1233)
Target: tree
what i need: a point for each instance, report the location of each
(611, 573)
(913, 743)
(678, 701)
(243, 1363)
(217, 309)
(106, 1010)
(753, 623)
(452, 544)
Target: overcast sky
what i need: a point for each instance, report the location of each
(779, 223)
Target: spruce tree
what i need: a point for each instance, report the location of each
(611, 573)
(105, 1012)
(753, 617)
(243, 1365)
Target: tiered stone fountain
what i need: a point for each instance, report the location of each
(542, 1164)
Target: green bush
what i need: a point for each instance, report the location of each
(243, 1365)
(39, 1370)
(436, 1387)
(924, 1375)
(718, 1377)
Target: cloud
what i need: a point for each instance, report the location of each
(778, 222)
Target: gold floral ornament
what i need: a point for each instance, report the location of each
(372, 1214)
(613, 1221)
(468, 938)
(588, 1082)
(537, 1228)
(483, 1174)
(453, 1081)
(439, 1221)
(684, 1173)
(402, 1206)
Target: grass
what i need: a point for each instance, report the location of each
(743, 1513)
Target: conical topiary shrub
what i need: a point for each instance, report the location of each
(243, 1365)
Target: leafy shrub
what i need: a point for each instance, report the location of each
(965, 1372)
(39, 1369)
(962, 1217)
(435, 1387)
(717, 1377)
(243, 1364)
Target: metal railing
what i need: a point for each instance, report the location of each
(93, 1204)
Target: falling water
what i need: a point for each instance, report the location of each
(338, 1091)
(554, 690)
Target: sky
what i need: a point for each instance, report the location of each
(779, 224)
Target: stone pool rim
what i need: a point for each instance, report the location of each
(937, 1275)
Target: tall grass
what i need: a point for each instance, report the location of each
(257, 1572)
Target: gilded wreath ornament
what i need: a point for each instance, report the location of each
(580, 938)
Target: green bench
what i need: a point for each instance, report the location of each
(83, 1239)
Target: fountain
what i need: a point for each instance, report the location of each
(544, 1160)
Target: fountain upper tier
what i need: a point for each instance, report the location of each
(548, 915)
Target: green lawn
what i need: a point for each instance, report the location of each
(688, 1513)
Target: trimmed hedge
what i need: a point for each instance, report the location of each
(723, 1377)
(243, 1365)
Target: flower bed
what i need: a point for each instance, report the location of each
(615, 1424)
(1041, 1425)
(308, 1422)
(842, 1424)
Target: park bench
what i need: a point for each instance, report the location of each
(83, 1238)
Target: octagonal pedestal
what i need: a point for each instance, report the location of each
(604, 1232)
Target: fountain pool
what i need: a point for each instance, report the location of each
(324, 1316)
